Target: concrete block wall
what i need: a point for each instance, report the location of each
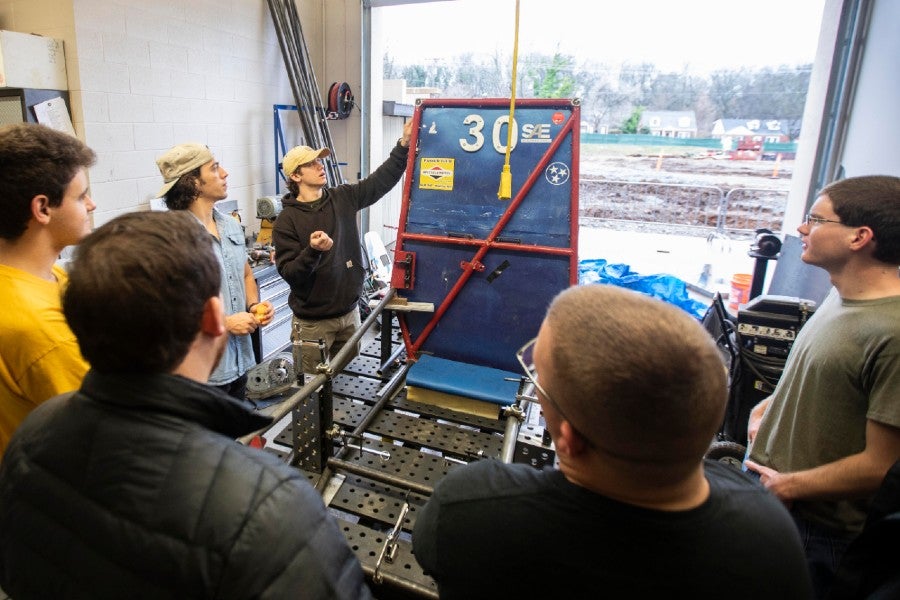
(144, 76)
(155, 74)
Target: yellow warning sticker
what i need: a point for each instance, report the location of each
(436, 174)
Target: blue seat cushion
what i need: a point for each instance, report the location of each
(463, 379)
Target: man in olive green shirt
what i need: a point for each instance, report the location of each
(825, 439)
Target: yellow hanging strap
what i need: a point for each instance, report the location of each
(505, 192)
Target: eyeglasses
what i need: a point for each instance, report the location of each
(818, 220)
(525, 356)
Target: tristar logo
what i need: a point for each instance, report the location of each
(536, 133)
(436, 174)
(557, 173)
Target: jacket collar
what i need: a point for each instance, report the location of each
(174, 395)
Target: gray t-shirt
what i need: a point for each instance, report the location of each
(843, 370)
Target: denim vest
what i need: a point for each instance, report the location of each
(232, 254)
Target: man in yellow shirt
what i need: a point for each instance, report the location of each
(46, 206)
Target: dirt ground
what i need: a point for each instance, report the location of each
(639, 188)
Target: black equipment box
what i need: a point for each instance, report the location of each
(768, 325)
(766, 329)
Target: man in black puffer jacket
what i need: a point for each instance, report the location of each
(133, 486)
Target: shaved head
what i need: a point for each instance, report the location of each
(637, 377)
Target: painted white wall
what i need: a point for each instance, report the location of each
(339, 44)
(155, 74)
(144, 76)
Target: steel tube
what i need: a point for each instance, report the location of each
(396, 353)
(381, 476)
(302, 79)
(384, 395)
(419, 590)
(510, 435)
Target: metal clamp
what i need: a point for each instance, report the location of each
(477, 455)
(515, 411)
(384, 456)
(390, 548)
(405, 263)
(346, 437)
(324, 365)
(526, 390)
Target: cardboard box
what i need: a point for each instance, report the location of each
(32, 61)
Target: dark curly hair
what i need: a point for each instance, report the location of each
(181, 195)
(35, 160)
(292, 186)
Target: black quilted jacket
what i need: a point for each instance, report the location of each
(133, 487)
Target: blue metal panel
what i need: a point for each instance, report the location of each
(490, 266)
(492, 317)
(472, 206)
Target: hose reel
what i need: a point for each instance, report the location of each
(340, 101)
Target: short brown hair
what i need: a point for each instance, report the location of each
(872, 201)
(35, 160)
(137, 289)
(637, 376)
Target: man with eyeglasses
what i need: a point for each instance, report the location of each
(826, 437)
(318, 251)
(632, 391)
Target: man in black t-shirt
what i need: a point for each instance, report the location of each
(632, 391)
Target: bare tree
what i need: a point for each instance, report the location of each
(638, 81)
(725, 90)
(674, 91)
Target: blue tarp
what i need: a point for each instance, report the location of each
(665, 287)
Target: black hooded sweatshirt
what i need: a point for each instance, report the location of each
(328, 284)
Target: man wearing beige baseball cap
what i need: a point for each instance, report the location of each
(318, 250)
(193, 180)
